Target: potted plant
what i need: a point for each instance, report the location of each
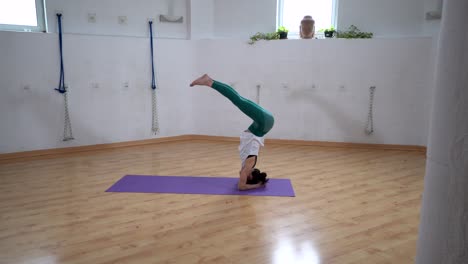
(329, 32)
(283, 32)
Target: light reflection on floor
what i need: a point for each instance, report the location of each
(287, 252)
(46, 259)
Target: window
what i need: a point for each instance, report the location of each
(291, 12)
(22, 15)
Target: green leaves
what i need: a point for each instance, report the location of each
(282, 29)
(265, 36)
(353, 33)
(330, 29)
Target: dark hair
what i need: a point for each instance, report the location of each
(257, 177)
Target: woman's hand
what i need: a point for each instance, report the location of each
(251, 186)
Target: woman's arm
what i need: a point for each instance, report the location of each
(244, 174)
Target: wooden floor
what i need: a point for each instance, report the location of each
(351, 206)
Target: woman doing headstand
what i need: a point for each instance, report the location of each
(251, 139)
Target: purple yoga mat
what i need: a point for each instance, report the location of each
(197, 185)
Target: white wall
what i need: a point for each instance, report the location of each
(243, 18)
(201, 19)
(75, 17)
(383, 17)
(336, 109)
(234, 19)
(33, 119)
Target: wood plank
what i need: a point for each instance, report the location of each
(353, 205)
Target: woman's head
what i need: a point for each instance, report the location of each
(258, 176)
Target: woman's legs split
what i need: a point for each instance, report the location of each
(263, 120)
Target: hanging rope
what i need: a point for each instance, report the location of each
(155, 123)
(67, 130)
(370, 117)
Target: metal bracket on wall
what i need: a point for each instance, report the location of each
(436, 13)
(433, 15)
(171, 19)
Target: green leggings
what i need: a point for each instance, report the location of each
(263, 120)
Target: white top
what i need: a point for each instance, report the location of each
(249, 145)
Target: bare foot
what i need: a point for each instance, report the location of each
(203, 80)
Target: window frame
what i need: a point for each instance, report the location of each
(41, 21)
(279, 18)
